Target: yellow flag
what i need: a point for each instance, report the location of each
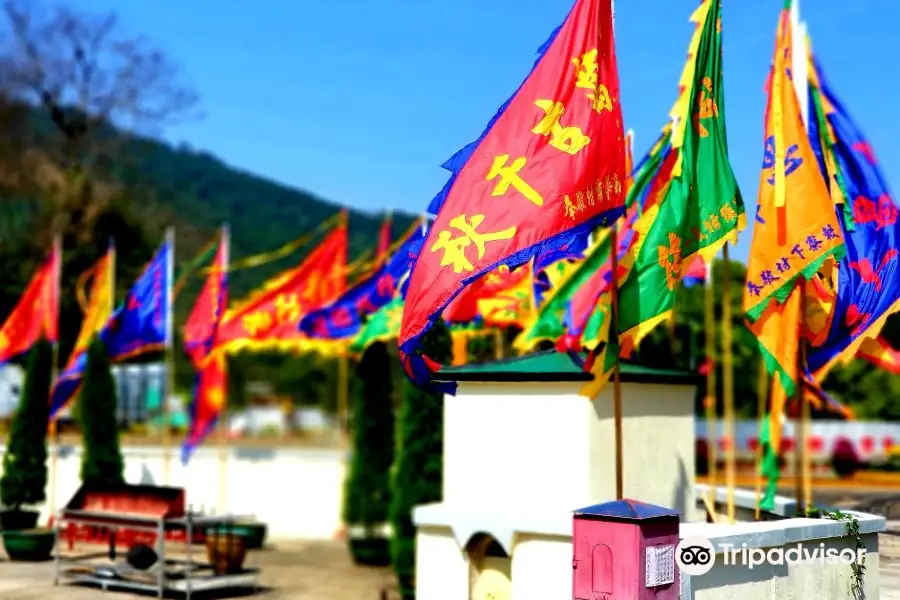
(100, 305)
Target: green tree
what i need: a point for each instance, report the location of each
(367, 490)
(25, 461)
(101, 463)
(418, 471)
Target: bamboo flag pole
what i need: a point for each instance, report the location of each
(762, 393)
(169, 356)
(222, 429)
(710, 402)
(498, 344)
(614, 347)
(728, 384)
(54, 377)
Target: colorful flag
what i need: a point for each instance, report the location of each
(210, 397)
(868, 287)
(697, 273)
(209, 308)
(551, 161)
(343, 318)
(382, 326)
(37, 312)
(268, 320)
(100, 303)
(703, 208)
(510, 299)
(878, 352)
(553, 261)
(141, 324)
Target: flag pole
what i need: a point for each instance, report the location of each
(801, 422)
(169, 356)
(728, 384)
(222, 429)
(616, 380)
(498, 344)
(762, 392)
(711, 401)
(54, 377)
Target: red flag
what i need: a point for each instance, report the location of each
(36, 314)
(203, 322)
(552, 161)
(271, 317)
(210, 396)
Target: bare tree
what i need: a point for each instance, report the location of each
(93, 82)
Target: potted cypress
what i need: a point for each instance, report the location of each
(101, 462)
(418, 470)
(25, 461)
(367, 487)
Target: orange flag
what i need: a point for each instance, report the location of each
(796, 227)
(269, 319)
(795, 234)
(36, 314)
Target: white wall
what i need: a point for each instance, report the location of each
(297, 492)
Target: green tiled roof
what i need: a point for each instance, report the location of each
(551, 365)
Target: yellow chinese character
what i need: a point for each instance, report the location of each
(454, 248)
(256, 322)
(728, 213)
(713, 223)
(569, 207)
(669, 258)
(509, 176)
(287, 308)
(567, 139)
(586, 66)
(600, 99)
(706, 106)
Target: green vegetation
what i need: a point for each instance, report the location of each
(418, 471)
(25, 462)
(101, 460)
(368, 491)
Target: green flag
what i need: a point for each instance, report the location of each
(702, 208)
(381, 326)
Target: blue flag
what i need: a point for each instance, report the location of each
(868, 287)
(343, 318)
(140, 324)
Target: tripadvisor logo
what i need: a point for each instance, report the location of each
(697, 556)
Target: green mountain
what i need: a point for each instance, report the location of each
(202, 192)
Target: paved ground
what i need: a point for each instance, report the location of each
(294, 571)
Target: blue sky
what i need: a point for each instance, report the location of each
(360, 101)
